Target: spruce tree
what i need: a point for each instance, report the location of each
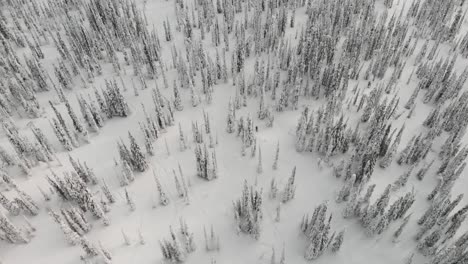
(12, 233)
(259, 165)
(177, 99)
(338, 242)
(275, 163)
(290, 189)
(126, 238)
(163, 199)
(137, 157)
(130, 201)
(127, 174)
(398, 232)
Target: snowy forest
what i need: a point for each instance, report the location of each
(233, 131)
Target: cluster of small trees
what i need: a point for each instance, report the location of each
(374, 217)
(317, 229)
(172, 249)
(132, 158)
(289, 190)
(18, 93)
(248, 211)
(114, 103)
(11, 233)
(438, 228)
(207, 165)
(245, 129)
(23, 203)
(67, 137)
(203, 133)
(110, 104)
(86, 174)
(327, 137)
(211, 241)
(205, 158)
(456, 253)
(182, 185)
(94, 252)
(26, 154)
(72, 188)
(73, 223)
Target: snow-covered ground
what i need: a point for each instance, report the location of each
(211, 202)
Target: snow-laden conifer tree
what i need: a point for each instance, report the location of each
(259, 165)
(336, 245)
(273, 189)
(11, 232)
(177, 99)
(317, 231)
(127, 174)
(400, 229)
(275, 162)
(137, 157)
(126, 238)
(290, 188)
(231, 118)
(130, 201)
(61, 135)
(211, 241)
(402, 180)
(107, 192)
(10, 206)
(163, 199)
(182, 143)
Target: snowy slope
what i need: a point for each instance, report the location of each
(211, 201)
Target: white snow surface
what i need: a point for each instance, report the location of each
(211, 202)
